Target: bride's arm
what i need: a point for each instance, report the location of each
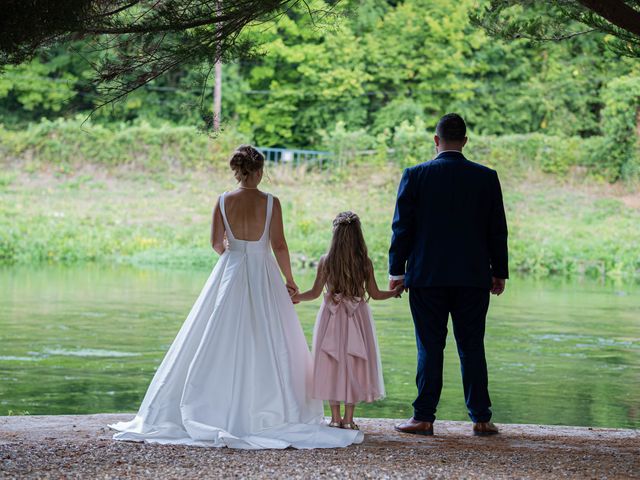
(316, 290)
(217, 230)
(279, 245)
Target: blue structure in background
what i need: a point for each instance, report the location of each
(294, 157)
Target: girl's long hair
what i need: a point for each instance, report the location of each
(346, 266)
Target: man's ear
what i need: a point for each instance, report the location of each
(436, 139)
(464, 142)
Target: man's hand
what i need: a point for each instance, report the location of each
(398, 290)
(393, 284)
(498, 285)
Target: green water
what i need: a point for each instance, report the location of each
(87, 339)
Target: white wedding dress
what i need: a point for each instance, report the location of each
(238, 373)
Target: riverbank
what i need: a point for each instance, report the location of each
(128, 215)
(80, 446)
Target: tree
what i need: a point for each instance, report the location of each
(563, 19)
(139, 40)
(390, 64)
(133, 42)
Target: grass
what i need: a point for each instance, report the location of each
(132, 216)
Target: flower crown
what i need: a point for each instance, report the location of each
(345, 218)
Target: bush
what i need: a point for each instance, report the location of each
(66, 143)
(621, 125)
(395, 113)
(347, 146)
(519, 153)
(411, 144)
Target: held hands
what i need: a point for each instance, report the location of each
(498, 285)
(397, 291)
(393, 284)
(293, 290)
(397, 286)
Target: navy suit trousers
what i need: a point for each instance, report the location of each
(430, 308)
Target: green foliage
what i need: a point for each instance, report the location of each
(519, 154)
(395, 112)
(347, 145)
(68, 144)
(560, 20)
(6, 179)
(419, 58)
(15, 413)
(621, 119)
(151, 203)
(411, 144)
(369, 65)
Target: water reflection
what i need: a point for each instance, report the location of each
(87, 339)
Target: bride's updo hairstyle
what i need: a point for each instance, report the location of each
(346, 265)
(245, 161)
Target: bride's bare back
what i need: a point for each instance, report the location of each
(246, 212)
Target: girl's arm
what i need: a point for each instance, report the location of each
(217, 230)
(375, 292)
(316, 290)
(280, 247)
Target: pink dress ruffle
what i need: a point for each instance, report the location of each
(346, 356)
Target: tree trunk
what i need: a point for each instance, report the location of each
(217, 87)
(217, 96)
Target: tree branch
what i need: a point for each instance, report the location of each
(557, 38)
(617, 12)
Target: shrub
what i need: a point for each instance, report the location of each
(345, 145)
(66, 143)
(621, 125)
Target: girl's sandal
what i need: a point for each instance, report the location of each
(351, 426)
(335, 424)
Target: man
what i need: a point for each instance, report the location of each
(449, 249)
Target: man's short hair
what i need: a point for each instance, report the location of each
(451, 127)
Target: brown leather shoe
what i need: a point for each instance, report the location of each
(485, 428)
(415, 426)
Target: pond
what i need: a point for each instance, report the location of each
(87, 339)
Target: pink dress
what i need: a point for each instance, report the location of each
(346, 356)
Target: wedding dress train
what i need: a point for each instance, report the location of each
(238, 373)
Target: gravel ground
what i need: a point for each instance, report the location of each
(81, 447)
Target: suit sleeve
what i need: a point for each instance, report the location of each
(403, 227)
(498, 249)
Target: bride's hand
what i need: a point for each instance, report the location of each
(294, 299)
(292, 288)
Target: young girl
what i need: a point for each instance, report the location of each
(346, 358)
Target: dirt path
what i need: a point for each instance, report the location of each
(81, 447)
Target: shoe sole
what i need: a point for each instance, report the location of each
(426, 433)
(485, 434)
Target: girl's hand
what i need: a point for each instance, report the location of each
(397, 292)
(295, 299)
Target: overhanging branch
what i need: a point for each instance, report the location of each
(617, 12)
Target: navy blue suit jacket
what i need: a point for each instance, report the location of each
(449, 226)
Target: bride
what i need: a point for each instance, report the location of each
(238, 372)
